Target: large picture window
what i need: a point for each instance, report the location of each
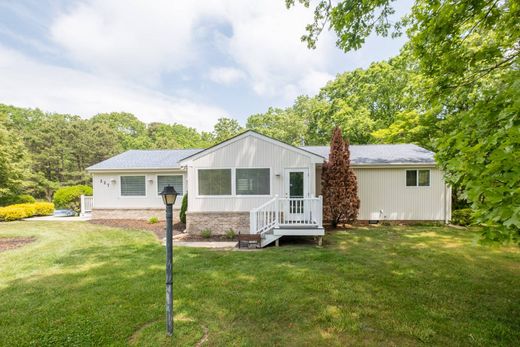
(417, 178)
(253, 182)
(175, 181)
(214, 181)
(133, 186)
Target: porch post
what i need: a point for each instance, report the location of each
(276, 210)
(82, 207)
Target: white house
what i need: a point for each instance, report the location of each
(253, 183)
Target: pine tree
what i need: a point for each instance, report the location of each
(339, 183)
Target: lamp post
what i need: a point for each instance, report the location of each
(169, 195)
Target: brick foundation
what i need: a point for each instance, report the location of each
(218, 222)
(139, 214)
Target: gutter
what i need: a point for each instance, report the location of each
(134, 169)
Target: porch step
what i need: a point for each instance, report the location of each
(300, 231)
(268, 239)
(299, 226)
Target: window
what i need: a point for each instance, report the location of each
(174, 180)
(253, 182)
(133, 186)
(214, 181)
(416, 178)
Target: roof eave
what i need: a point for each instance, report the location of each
(401, 164)
(136, 169)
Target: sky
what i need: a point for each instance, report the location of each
(171, 61)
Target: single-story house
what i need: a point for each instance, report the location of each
(255, 184)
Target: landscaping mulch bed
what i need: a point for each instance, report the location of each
(159, 229)
(7, 243)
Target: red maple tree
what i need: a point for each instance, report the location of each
(339, 183)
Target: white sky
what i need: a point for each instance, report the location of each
(171, 61)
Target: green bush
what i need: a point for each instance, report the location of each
(16, 199)
(69, 197)
(184, 208)
(206, 233)
(153, 220)
(20, 211)
(463, 217)
(231, 234)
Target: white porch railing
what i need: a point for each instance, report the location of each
(279, 212)
(87, 202)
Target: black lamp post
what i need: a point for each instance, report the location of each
(169, 195)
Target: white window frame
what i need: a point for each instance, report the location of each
(184, 184)
(215, 168)
(417, 178)
(256, 195)
(233, 182)
(133, 196)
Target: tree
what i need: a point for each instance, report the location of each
(226, 128)
(130, 130)
(171, 136)
(339, 183)
(14, 162)
(467, 53)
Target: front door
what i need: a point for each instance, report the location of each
(296, 188)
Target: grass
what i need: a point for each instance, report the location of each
(83, 284)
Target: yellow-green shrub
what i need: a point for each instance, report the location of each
(13, 212)
(20, 211)
(44, 208)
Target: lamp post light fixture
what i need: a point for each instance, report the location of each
(169, 195)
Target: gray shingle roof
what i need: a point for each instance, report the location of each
(359, 155)
(145, 159)
(381, 154)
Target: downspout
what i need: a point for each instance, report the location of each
(445, 204)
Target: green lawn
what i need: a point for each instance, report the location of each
(83, 284)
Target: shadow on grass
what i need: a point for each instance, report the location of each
(364, 287)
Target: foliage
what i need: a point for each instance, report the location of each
(184, 208)
(39, 152)
(339, 184)
(231, 234)
(16, 199)
(44, 208)
(171, 136)
(226, 128)
(352, 20)
(14, 164)
(463, 217)
(462, 60)
(153, 220)
(20, 211)
(85, 271)
(69, 197)
(206, 233)
(131, 132)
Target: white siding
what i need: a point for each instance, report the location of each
(107, 191)
(248, 152)
(385, 189)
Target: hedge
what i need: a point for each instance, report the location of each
(69, 197)
(20, 211)
(463, 217)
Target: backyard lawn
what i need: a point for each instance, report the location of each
(83, 284)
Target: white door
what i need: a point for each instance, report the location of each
(296, 188)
